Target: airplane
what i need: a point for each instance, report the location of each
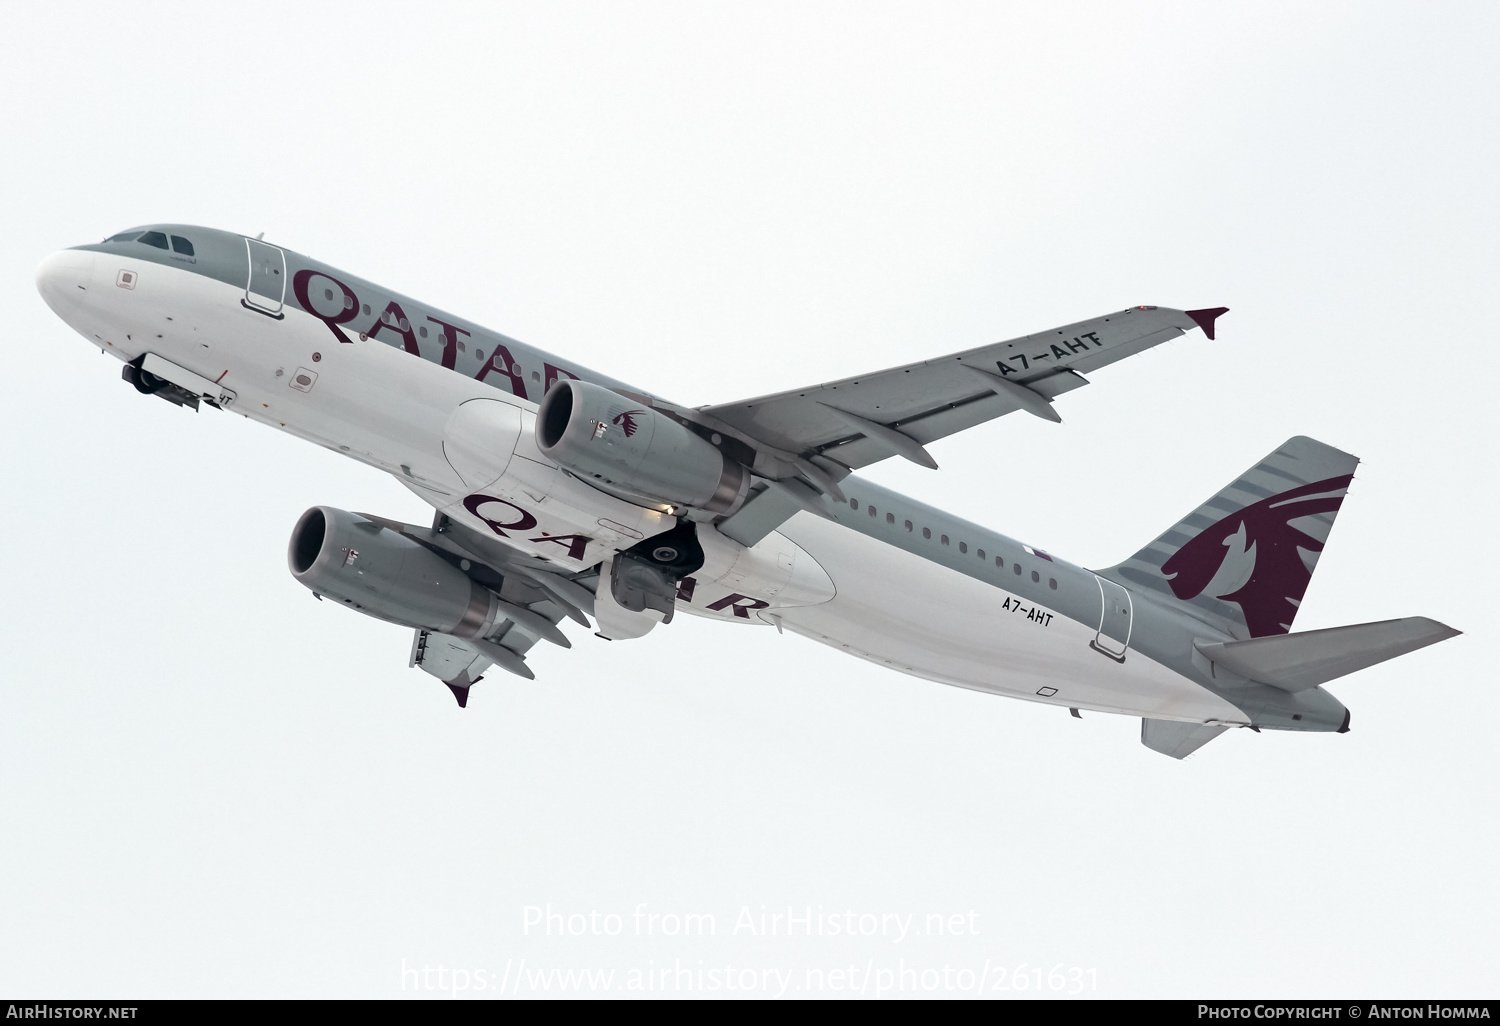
(561, 494)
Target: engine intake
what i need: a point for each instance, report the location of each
(603, 436)
(387, 575)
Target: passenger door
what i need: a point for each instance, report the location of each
(265, 285)
(1113, 635)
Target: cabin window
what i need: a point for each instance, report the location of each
(854, 504)
(1000, 562)
(981, 555)
(365, 309)
(1017, 567)
(1052, 583)
(945, 539)
(422, 331)
(871, 509)
(927, 533)
(156, 239)
(1036, 578)
(963, 546)
(908, 525)
(479, 354)
(890, 518)
(181, 245)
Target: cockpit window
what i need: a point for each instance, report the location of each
(124, 236)
(181, 245)
(156, 239)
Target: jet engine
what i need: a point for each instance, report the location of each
(602, 436)
(387, 575)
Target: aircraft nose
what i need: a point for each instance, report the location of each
(64, 279)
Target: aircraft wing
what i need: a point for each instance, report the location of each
(456, 663)
(531, 603)
(861, 420)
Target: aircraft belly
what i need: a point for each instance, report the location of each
(372, 402)
(896, 609)
(289, 373)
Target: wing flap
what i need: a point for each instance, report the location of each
(766, 511)
(456, 663)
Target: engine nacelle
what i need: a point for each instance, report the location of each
(602, 436)
(387, 575)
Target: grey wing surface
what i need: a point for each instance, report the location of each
(922, 402)
(456, 663)
(528, 603)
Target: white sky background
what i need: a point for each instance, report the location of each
(211, 785)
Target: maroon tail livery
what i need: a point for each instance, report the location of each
(1246, 557)
(1279, 577)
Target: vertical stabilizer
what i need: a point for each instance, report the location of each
(1244, 559)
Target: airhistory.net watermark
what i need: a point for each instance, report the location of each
(872, 978)
(41, 1010)
(760, 921)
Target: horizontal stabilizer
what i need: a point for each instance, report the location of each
(1179, 740)
(1297, 662)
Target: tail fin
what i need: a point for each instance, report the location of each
(1244, 558)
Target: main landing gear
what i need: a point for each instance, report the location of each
(638, 588)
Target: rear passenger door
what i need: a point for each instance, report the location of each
(1113, 636)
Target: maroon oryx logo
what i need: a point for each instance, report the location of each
(1261, 536)
(626, 421)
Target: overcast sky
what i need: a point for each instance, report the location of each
(212, 785)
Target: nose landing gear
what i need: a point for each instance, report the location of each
(147, 383)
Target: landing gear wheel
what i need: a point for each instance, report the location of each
(147, 383)
(678, 551)
(144, 381)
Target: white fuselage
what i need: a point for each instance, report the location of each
(451, 438)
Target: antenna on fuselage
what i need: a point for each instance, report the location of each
(261, 236)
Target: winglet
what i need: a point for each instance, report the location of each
(1205, 318)
(462, 694)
